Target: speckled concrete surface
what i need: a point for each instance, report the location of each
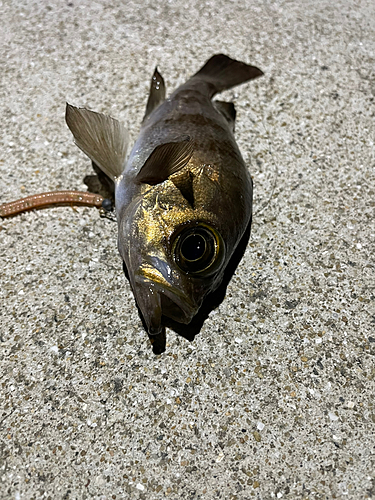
(275, 397)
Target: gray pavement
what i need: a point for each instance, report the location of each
(275, 397)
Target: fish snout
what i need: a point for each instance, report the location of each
(149, 303)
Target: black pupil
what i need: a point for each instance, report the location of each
(193, 247)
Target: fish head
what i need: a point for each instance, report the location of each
(174, 254)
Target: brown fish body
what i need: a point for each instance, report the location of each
(184, 198)
(221, 181)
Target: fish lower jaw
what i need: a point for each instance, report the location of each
(156, 300)
(175, 308)
(155, 330)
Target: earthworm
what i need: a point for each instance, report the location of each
(52, 198)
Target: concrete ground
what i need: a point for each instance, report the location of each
(275, 397)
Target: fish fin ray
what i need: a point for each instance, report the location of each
(223, 73)
(157, 93)
(228, 110)
(164, 161)
(102, 138)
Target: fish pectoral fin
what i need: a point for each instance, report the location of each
(164, 161)
(102, 138)
(228, 110)
(222, 73)
(157, 93)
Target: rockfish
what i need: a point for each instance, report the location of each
(184, 195)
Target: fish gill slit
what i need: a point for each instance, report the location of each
(184, 183)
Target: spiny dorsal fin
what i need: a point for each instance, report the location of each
(223, 73)
(184, 182)
(164, 161)
(228, 110)
(102, 138)
(157, 93)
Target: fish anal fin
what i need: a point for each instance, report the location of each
(164, 161)
(157, 93)
(184, 183)
(228, 110)
(102, 138)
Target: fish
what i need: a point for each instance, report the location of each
(183, 196)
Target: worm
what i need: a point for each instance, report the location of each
(52, 198)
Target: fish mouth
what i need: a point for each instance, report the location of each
(156, 297)
(177, 306)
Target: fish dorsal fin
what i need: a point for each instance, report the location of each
(184, 183)
(222, 73)
(164, 161)
(157, 93)
(102, 138)
(228, 110)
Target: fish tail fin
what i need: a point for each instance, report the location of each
(222, 73)
(102, 138)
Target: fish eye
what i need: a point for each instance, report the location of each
(193, 247)
(199, 250)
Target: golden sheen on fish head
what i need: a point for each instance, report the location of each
(174, 254)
